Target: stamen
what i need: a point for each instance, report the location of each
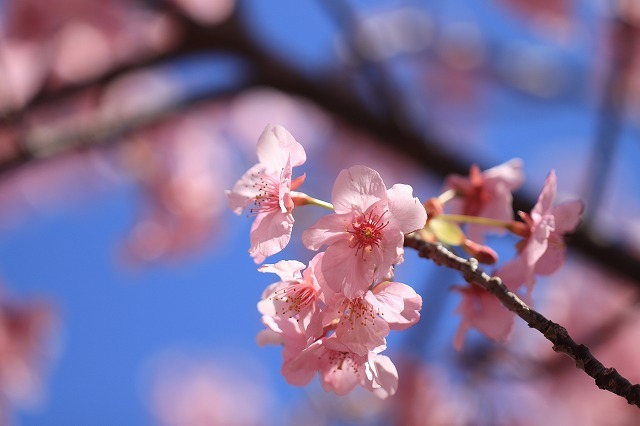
(358, 313)
(340, 360)
(268, 197)
(367, 232)
(296, 298)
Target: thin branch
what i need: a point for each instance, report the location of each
(268, 69)
(605, 378)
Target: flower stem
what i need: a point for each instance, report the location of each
(460, 218)
(320, 203)
(447, 195)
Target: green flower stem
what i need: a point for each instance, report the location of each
(319, 203)
(447, 196)
(460, 218)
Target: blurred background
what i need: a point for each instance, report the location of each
(127, 295)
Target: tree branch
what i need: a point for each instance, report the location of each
(605, 378)
(338, 99)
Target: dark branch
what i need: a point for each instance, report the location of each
(605, 378)
(333, 96)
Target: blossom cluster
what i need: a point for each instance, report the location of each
(332, 316)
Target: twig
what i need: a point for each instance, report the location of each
(605, 378)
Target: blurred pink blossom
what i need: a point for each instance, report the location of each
(22, 71)
(25, 330)
(207, 392)
(207, 11)
(484, 312)
(543, 251)
(485, 194)
(183, 168)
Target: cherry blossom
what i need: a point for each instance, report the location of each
(485, 194)
(25, 330)
(543, 251)
(196, 390)
(363, 323)
(267, 186)
(297, 296)
(484, 312)
(365, 235)
(341, 370)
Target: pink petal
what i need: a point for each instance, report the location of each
(270, 233)
(357, 189)
(299, 371)
(244, 191)
(384, 376)
(327, 230)
(258, 258)
(497, 325)
(276, 146)
(514, 274)
(484, 312)
(390, 252)
(508, 173)
(361, 333)
(498, 208)
(399, 303)
(284, 199)
(537, 242)
(500, 205)
(339, 380)
(567, 216)
(345, 272)
(287, 270)
(268, 337)
(553, 258)
(547, 196)
(406, 211)
(457, 183)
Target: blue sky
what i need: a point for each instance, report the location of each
(114, 321)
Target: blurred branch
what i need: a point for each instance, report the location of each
(337, 98)
(378, 77)
(623, 43)
(606, 378)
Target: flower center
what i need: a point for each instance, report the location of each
(367, 232)
(340, 360)
(358, 313)
(268, 197)
(296, 298)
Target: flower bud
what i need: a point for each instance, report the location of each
(434, 207)
(484, 254)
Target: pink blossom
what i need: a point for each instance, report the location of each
(484, 312)
(267, 186)
(359, 327)
(180, 164)
(341, 370)
(198, 391)
(25, 329)
(362, 323)
(544, 250)
(365, 235)
(402, 302)
(485, 194)
(297, 296)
